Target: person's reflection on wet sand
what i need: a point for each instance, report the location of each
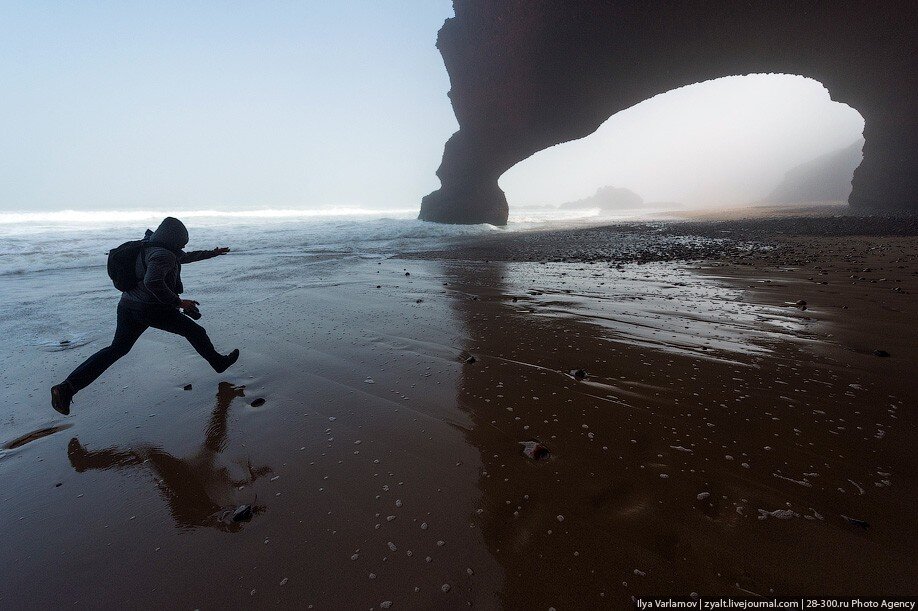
(198, 490)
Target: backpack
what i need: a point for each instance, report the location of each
(122, 263)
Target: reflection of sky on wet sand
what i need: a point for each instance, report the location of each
(655, 305)
(681, 450)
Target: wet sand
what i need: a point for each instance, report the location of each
(722, 441)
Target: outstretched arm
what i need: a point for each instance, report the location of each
(200, 255)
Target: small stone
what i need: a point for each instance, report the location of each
(186, 387)
(243, 513)
(535, 450)
(580, 374)
(445, 587)
(386, 604)
(257, 402)
(856, 522)
(470, 360)
(881, 353)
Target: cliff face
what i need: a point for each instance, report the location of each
(529, 74)
(824, 179)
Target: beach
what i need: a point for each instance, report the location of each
(721, 406)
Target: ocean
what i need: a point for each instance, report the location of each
(52, 264)
(38, 242)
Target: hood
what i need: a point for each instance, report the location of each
(171, 233)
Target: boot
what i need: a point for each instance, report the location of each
(61, 396)
(228, 360)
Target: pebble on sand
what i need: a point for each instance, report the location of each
(534, 450)
(856, 522)
(243, 513)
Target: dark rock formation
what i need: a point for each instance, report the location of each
(608, 198)
(529, 74)
(824, 179)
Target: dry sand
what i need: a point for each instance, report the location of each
(723, 441)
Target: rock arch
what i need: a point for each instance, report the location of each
(529, 74)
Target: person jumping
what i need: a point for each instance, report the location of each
(150, 298)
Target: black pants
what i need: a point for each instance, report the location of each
(133, 319)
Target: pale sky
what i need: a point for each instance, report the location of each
(238, 105)
(193, 104)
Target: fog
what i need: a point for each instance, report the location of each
(724, 142)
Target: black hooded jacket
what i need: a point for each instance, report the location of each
(159, 265)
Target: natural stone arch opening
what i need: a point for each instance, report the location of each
(728, 142)
(528, 75)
